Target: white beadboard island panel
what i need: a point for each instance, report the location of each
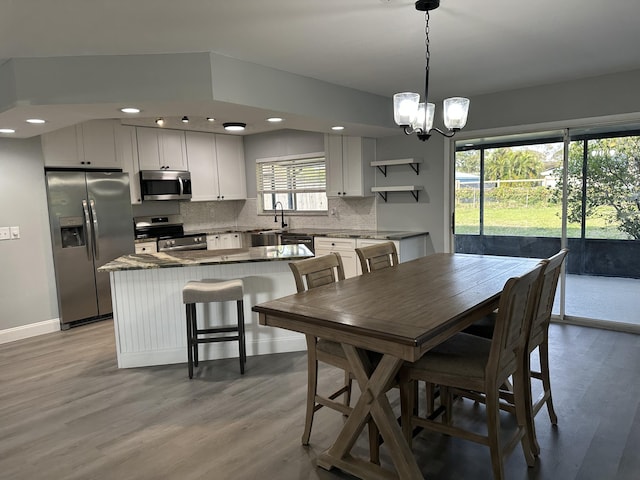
(149, 316)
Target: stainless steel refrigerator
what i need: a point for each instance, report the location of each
(91, 224)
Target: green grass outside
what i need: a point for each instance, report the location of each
(532, 221)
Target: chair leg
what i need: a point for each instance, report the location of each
(430, 397)
(543, 351)
(194, 330)
(312, 385)
(189, 339)
(348, 382)
(493, 434)
(374, 443)
(242, 349)
(524, 415)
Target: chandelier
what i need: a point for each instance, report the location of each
(417, 117)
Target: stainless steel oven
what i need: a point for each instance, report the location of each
(169, 233)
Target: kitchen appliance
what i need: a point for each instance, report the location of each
(169, 233)
(90, 221)
(295, 239)
(165, 185)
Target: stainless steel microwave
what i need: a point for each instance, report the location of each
(165, 185)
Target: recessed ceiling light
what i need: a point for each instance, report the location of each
(274, 119)
(185, 119)
(211, 119)
(130, 110)
(337, 127)
(234, 126)
(35, 121)
(160, 121)
(7, 130)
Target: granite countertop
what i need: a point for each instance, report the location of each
(192, 258)
(321, 232)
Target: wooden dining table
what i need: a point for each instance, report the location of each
(400, 312)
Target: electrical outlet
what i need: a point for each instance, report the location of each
(15, 233)
(5, 233)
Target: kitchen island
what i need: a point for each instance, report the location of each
(149, 316)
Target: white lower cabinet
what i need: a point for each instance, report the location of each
(221, 241)
(146, 247)
(346, 247)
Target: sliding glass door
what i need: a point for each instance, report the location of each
(510, 197)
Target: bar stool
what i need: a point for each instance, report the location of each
(208, 291)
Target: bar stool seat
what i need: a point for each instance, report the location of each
(208, 291)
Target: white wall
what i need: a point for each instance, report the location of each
(27, 281)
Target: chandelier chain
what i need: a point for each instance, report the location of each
(426, 35)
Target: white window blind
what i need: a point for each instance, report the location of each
(299, 183)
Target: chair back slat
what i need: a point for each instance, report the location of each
(317, 271)
(518, 304)
(377, 257)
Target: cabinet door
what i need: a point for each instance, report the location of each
(98, 144)
(231, 170)
(357, 174)
(127, 151)
(213, 242)
(173, 152)
(201, 157)
(148, 148)
(333, 159)
(230, 240)
(60, 148)
(146, 247)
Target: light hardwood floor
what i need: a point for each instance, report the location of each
(67, 412)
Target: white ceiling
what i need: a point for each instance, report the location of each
(375, 46)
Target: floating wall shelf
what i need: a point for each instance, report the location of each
(412, 162)
(383, 191)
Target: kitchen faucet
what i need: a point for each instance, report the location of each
(275, 213)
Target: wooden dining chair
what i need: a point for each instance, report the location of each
(468, 362)
(538, 338)
(311, 273)
(377, 257)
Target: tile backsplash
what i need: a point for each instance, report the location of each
(352, 213)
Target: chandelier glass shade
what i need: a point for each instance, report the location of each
(415, 116)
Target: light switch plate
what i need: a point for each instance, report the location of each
(15, 232)
(5, 233)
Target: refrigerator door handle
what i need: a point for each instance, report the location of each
(96, 231)
(87, 226)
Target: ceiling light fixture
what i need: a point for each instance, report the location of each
(160, 121)
(130, 110)
(35, 121)
(185, 119)
(7, 130)
(274, 119)
(211, 119)
(417, 117)
(337, 127)
(234, 126)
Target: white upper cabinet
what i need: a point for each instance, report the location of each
(160, 149)
(232, 178)
(348, 170)
(127, 151)
(87, 145)
(216, 163)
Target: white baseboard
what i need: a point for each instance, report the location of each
(31, 330)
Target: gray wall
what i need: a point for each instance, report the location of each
(27, 282)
